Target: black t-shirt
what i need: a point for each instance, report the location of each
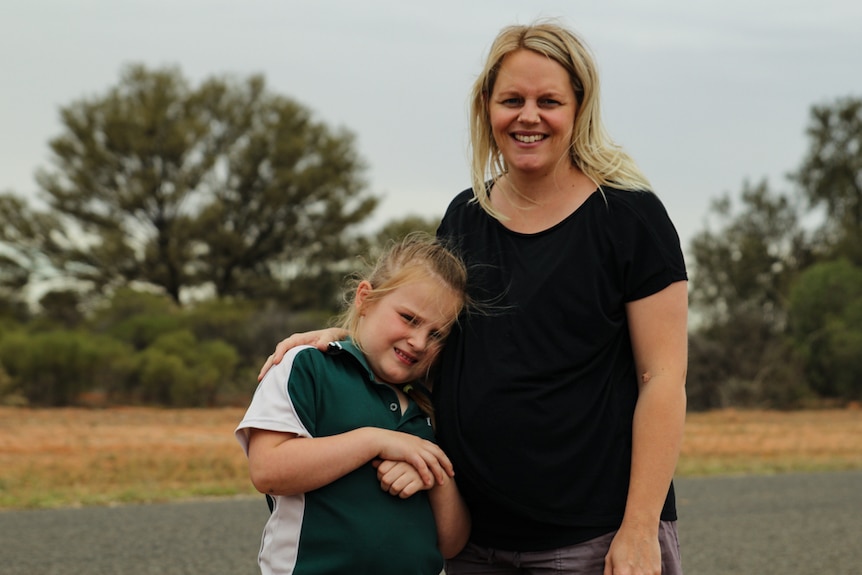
(536, 392)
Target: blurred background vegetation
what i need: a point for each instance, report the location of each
(181, 231)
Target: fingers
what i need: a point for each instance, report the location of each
(426, 474)
(280, 349)
(319, 338)
(428, 459)
(284, 346)
(399, 478)
(437, 464)
(268, 364)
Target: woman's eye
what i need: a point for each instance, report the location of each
(549, 102)
(512, 102)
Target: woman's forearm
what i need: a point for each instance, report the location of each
(658, 426)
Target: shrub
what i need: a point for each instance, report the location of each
(53, 368)
(178, 370)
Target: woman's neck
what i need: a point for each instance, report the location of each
(533, 204)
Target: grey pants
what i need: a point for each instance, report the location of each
(587, 558)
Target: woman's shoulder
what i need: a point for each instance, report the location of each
(639, 205)
(630, 198)
(461, 200)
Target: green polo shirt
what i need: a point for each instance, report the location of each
(351, 525)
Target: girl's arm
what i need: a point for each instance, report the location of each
(658, 327)
(452, 517)
(285, 464)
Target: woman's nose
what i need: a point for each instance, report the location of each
(529, 114)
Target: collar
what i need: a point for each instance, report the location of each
(349, 347)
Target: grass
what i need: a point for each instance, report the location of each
(757, 442)
(75, 457)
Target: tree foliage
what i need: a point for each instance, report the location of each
(748, 262)
(160, 189)
(777, 307)
(831, 175)
(826, 327)
(224, 186)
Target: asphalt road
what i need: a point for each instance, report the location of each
(799, 524)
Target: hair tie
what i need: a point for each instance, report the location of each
(408, 388)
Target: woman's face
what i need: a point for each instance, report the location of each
(532, 110)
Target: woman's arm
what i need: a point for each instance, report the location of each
(659, 333)
(319, 339)
(285, 464)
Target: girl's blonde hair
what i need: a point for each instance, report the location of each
(419, 256)
(591, 149)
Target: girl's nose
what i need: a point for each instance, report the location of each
(418, 339)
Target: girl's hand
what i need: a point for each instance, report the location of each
(399, 478)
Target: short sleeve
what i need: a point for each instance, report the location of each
(274, 408)
(647, 245)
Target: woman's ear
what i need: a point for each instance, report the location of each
(362, 291)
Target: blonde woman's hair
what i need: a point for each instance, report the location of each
(419, 256)
(591, 149)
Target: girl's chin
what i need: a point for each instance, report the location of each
(398, 378)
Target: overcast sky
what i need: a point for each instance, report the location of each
(704, 94)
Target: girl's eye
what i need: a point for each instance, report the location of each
(408, 318)
(437, 335)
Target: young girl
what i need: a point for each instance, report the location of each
(339, 441)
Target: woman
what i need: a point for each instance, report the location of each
(562, 411)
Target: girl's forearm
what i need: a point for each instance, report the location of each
(295, 465)
(452, 517)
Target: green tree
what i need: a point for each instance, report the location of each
(831, 175)
(741, 273)
(24, 236)
(136, 318)
(826, 326)
(224, 186)
(394, 231)
(747, 263)
(62, 307)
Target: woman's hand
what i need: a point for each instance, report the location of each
(319, 338)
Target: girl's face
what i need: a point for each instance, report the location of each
(532, 110)
(402, 332)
